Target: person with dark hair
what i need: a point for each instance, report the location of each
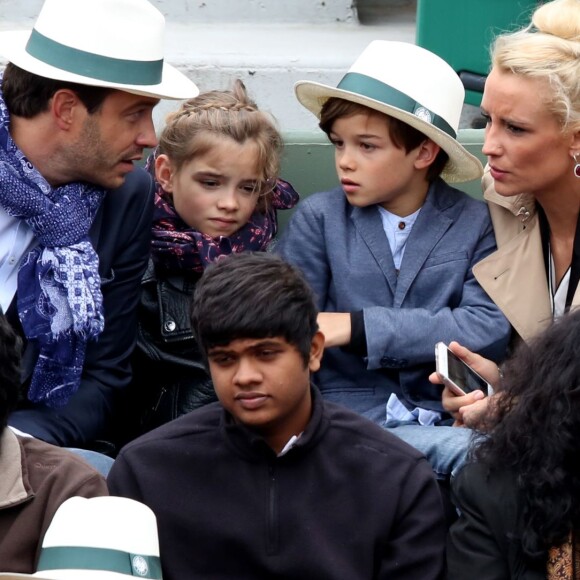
(519, 501)
(272, 481)
(35, 477)
(389, 253)
(75, 215)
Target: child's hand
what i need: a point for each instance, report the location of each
(336, 328)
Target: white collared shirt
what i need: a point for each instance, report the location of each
(558, 292)
(291, 442)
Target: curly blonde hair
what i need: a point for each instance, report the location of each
(192, 130)
(549, 48)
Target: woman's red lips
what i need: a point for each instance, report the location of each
(496, 173)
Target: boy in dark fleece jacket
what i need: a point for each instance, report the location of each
(273, 481)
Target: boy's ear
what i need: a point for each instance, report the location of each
(164, 172)
(316, 351)
(426, 153)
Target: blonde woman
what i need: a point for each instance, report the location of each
(532, 182)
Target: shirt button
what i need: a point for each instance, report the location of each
(402, 225)
(170, 326)
(12, 260)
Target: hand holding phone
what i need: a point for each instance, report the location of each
(459, 376)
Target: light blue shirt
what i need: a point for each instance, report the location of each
(16, 240)
(397, 230)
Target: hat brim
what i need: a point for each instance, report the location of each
(462, 165)
(18, 576)
(173, 85)
(68, 575)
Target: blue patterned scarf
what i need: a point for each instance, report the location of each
(59, 289)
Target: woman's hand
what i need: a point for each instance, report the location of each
(457, 405)
(473, 415)
(484, 367)
(467, 410)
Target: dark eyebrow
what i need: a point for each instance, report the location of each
(333, 135)
(508, 120)
(145, 103)
(261, 343)
(217, 350)
(266, 343)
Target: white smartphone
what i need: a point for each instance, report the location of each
(460, 377)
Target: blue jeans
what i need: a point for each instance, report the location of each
(102, 463)
(445, 447)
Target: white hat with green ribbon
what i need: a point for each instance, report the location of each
(99, 538)
(412, 84)
(117, 44)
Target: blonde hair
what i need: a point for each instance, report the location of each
(549, 48)
(192, 130)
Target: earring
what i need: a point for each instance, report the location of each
(577, 166)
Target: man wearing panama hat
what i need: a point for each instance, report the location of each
(389, 253)
(75, 114)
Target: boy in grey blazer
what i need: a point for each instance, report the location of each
(390, 252)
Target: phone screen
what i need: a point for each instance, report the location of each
(466, 379)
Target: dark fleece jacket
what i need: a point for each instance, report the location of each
(349, 501)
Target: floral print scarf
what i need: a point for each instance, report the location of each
(177, 247)
(564, 560)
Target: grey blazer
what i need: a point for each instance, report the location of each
(345, 255)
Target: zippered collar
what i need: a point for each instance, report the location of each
(248, 444)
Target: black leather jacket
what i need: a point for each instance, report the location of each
(169, 374)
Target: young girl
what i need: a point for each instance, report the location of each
(216, 170)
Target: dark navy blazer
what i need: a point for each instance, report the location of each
(121, 236)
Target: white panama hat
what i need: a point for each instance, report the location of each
(116, 44)
(412, 84)
(99, 538)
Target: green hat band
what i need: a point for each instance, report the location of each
(95, 66)
(78, 558)
(373, 89)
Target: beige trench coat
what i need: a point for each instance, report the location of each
(514, 276)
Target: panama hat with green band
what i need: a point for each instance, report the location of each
(412, 84)
(116, 44)
(98, 538)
